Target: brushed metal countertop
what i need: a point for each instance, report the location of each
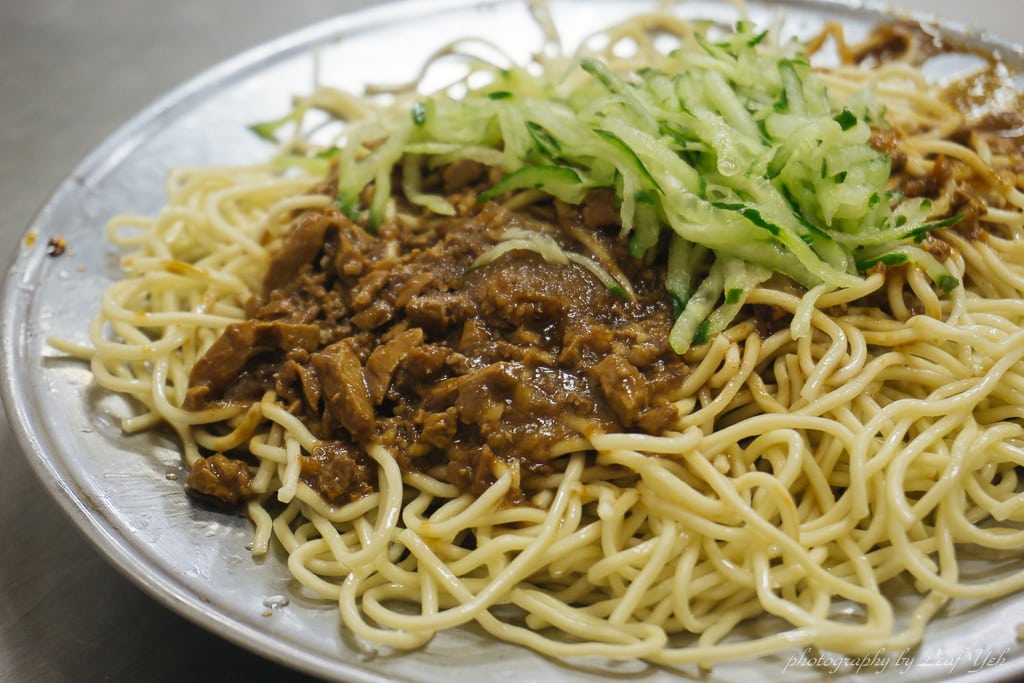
(70, 73)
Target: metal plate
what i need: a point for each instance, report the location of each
(125, 493)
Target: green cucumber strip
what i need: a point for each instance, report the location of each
(646, 225)
(561, 182)
(910, 254)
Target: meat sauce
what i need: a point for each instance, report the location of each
(990, 102)
(394, 338)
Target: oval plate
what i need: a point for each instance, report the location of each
(125, 492)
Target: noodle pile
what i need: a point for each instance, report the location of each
(808, 477)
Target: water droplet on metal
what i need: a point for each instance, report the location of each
(276, 602)
(172, 476)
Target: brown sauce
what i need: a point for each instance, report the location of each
(393, 338)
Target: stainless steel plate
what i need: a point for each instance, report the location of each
(125, 493)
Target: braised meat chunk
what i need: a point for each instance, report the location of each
(221, 478)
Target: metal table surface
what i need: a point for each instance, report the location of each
(70, 73)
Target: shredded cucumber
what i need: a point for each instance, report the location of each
(558, 181)
(515, 239)
(732, 147)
